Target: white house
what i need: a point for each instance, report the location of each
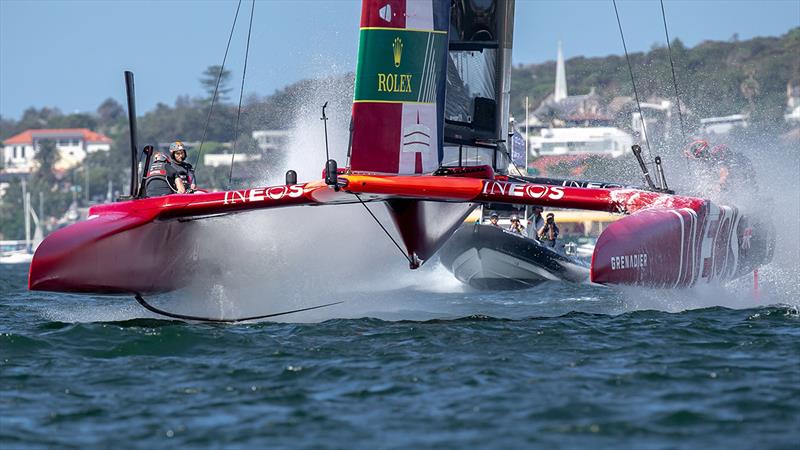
(224, 159)
(657, 119)
(72, 144)
(581, 141)
(271, 140)
(724, 124)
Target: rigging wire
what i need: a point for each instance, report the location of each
(241, 92)
(216, 87)
(410, 261)
(172, 315)
(633, 80)
(511, 160)
(672, 66)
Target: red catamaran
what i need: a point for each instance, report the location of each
(417, 97)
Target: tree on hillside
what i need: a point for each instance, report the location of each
(750, 88)
(209, 82)
(714, 77)
(44, 180)
(37, 118)
(7, 127)
(46, 158)
(110, 112)
(76, 120)
(12, 220)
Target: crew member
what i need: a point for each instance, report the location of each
(535, 222)
(516, 226)
(161, 176)
(733, 171)
(184, 170)
(548, 234)
(493, 218)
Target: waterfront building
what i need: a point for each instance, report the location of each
(561, 109)
(657, 120)
(723, 125)
(72, 145)
(271, 140)
(224, 159)
(573, 125)
(569, 141)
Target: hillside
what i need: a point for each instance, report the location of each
(714, 78)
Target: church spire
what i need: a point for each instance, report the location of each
(561, 77)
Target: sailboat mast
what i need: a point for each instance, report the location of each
(527, 121)
(26, 200)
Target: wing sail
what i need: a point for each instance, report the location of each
(398, 106)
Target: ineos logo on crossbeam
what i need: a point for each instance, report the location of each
(523, 190)
(262, 194)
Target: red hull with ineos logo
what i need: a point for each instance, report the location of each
(412, 103)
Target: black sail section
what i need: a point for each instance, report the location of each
(478, 83)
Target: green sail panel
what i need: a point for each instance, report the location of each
(399, 65)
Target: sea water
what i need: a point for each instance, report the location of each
(427, 365)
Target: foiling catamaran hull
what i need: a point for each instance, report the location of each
(489, 258)
(407, 59)
(142, 246)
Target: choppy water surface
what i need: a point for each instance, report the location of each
(555, 367)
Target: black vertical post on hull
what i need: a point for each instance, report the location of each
(637, 152)
(350, 141)
(147, 152)
(324, 120)
(662, 180)
(134, 136)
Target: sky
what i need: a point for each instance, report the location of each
(72, 54)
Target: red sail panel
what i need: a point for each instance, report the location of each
(383, 13)
(376, 132)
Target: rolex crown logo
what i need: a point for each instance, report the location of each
(397, 48)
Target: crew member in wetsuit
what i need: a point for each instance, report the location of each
(184, 170)
(161, 176)
(548, 234)
(733, 171)
(535, 222)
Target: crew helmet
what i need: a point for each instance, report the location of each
(175, 147)
(514, 218)
(699, 149)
